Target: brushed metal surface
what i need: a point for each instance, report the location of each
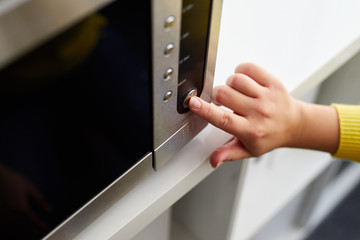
(164, 109)
(8, 5)
(31, 23)
(168, 123)
(181, 137)
(104, 200)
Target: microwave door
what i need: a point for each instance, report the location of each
(97, 105)
(76, 124)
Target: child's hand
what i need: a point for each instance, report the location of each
(264, 115)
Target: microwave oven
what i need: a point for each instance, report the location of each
(96, 104)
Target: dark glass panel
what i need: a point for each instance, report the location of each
(75, 115)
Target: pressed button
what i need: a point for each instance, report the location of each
(168, 73)
(169, 22)
(167, 96)
(169, 49)
(191, 93)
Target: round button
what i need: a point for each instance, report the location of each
(169, 49)
(169, 22)
(191, 93)
(168, 73)
(167, 96)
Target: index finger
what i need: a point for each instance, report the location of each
(219, 117)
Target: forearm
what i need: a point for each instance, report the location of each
(318, 128)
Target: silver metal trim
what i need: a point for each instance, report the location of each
(181, 137)
(161, 38)
(169, 136)
(33, 22)
(103, 201)
(8, 5)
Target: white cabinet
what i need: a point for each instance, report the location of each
(311, 47)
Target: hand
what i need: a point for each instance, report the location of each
(264, 115)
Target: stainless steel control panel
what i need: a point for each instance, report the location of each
(184, 48)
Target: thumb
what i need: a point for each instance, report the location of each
(230, 151)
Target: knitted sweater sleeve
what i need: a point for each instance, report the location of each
(349, 122)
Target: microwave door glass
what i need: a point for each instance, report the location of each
(76, 115)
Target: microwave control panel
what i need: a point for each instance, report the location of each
(193, 47)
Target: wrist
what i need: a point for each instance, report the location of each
(297, 124)
(316, 128)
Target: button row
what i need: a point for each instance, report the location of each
(169, 23)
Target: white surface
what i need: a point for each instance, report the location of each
(159, 229)
(282, 225)
(158, 191)
(205, 212)
(293, 39)
(271, 183)
(301, 42)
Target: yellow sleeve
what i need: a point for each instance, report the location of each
(349, 122)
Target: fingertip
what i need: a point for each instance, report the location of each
(229, 79)
(256, 72)
(217, 157)
(215, 164)
(246, 67)
(230, 151)
(194, 104)
(214, 94)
